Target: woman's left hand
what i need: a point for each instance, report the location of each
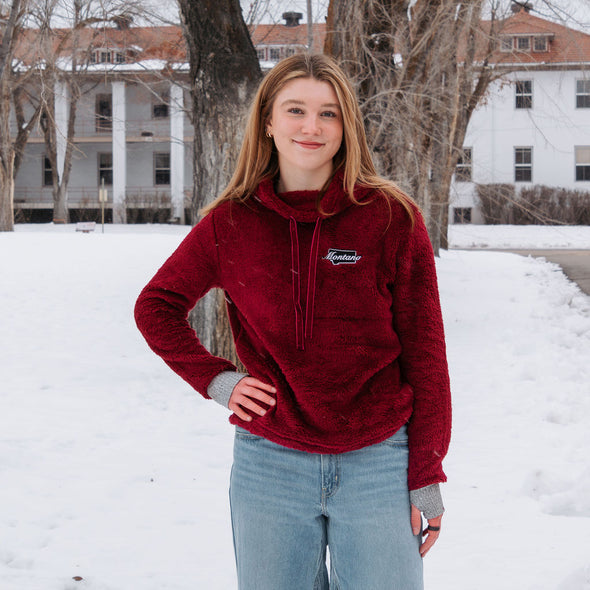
(430, 535)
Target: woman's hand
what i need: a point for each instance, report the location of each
(430, 535)
(245, 395)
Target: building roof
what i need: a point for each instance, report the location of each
(166, 44)
(564, 45)
(146, 43)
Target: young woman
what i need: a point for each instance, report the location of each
(343, 417)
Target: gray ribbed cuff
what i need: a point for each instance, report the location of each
(428, 500)
(222, 385)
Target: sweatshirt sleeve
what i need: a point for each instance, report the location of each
(418, 324)
(161, 311)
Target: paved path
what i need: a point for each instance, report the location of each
(575, 263)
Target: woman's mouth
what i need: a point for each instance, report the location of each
(310, 145)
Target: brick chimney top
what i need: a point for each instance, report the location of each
(519, 5)
(292, 18)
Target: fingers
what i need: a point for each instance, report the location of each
(245, 395)
(430, 536)
(416, 520)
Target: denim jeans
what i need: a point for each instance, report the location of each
(288, 506)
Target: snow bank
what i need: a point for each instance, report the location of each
(114, 471)
(520, 236)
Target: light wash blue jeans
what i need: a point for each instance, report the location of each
(287, 506)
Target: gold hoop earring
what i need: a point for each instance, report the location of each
(269, 134)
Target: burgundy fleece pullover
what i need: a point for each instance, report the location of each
(339, 312)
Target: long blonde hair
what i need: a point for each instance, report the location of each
(258, 157)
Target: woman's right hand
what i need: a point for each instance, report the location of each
(246, 393)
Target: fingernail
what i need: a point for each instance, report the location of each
(262, 412)
(273, 402)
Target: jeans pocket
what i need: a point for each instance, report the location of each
(399, 439)
(244, 434)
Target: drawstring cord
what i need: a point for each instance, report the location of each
(300, 332)
(296, 281)
(313, 265)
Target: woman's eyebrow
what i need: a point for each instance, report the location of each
(333, 105)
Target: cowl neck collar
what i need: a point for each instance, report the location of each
(301, 205)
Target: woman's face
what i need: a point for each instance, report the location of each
(306, 124)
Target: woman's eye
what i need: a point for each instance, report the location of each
(296, 111)
(329, 114)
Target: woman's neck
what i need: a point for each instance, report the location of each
(291, 180)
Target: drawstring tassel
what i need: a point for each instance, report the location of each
(300, 332)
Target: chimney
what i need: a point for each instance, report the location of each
(292, 18)
(517, 6)
(123, 21)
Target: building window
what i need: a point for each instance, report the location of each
(289, 51)
(523, 164)
(583, 163)
(463, 169)
(506, 44)
(462, 215)
(275, 54)
(524, 94)
(160, 111)
(47, 172)
(105, 168)
(120, 57)
(261, 53)
(523, 43)
(582, 94)
(161, 168)
(104, 112)
(539, 44)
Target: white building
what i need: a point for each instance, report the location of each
(133, 131)
(534, 127)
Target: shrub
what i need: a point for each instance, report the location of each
(535, 205)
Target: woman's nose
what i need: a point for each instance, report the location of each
(311, 125)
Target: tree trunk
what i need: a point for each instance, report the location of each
(225, 73)
(416, 96)
(6, 147)
(6, 198)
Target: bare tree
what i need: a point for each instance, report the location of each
(420, 68)
(12, 81)
(224, 74)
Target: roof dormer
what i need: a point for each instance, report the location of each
(526, 42)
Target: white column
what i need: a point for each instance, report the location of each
(61, 125)
(177, 151)
(119, 153)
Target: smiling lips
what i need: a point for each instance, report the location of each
(310, 145)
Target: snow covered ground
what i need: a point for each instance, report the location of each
(113, 470)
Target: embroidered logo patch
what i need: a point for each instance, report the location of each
(336, 256)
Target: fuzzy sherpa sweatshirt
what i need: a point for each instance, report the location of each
(338, 309)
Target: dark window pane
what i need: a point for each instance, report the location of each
(583, 172)
(462, 215)
(524, 102)
(47, 172)
(106, 175)
(522, 174)
(162, 176)
(522, 156)
(162, 160)
(160, 111)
